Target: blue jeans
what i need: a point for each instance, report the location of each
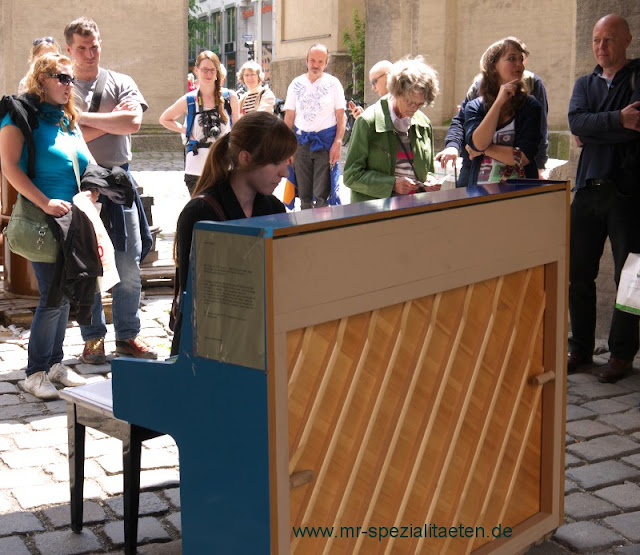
(48, 326)
(125, 295)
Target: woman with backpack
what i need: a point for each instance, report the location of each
(210, 111)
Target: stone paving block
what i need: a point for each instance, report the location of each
(7, 503)
(580, 378)
(7, 400)
(571, 460)
(570, 487)
(20, 522)
(632, 399)
(632, 460)
(60, 516)
(67, 542)
(111, 485)
(156, 479)
(627, 524)
(584, 537)
(8, 428)
(636, 436)
(572, 399)
(149, 530)
(568, 440)
(603, 448)
(160, 442)
(605, 406)
(583, 506)
(6, 444)
(92, 369)
(25, 458)
(8, 373)
(626, 496)
(111, 464)
(588, 429)
(15, 412)
(12, 477)
(30, 497)
(575, 412)
(597, 390)
(170, 548)
(56, 407)
(599, 475)
(150, 504)
(628, 550)
(158, 458)
(175, 519)
(173, 495)
(100, 447)
(48, 422)
(49, 438)
(13, 546)
(625, 421)
(60, 472)
(8, 388)
(632, 382)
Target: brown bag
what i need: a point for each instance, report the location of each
(177, 293)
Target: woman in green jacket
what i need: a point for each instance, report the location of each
(391, 147)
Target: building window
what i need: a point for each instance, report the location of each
(230, 16)
(216, 31)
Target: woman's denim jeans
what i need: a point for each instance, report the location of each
(48, 326)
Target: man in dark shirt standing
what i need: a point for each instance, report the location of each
(604, 116)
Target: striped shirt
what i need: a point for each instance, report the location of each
(249, 103)
(403, 162)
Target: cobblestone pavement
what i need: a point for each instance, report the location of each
(602, 488)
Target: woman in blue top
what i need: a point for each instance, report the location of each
(502, 126)
(52, 188)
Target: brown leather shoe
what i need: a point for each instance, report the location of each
(575, 361)
(614, 370)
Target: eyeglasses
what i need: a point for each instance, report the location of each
(207, 70)
(49, 40)
(374, 81)
(412, 103)
(63, 78)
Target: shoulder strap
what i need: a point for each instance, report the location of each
(97, 92)
(215, 206)
(191, 113)
(227, 104)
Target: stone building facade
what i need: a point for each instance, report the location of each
(142, 38)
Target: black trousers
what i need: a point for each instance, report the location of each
(598, 211)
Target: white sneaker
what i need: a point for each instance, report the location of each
(62, 374)
(38, 384)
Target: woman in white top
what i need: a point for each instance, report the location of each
(209, 110)
(258, 98)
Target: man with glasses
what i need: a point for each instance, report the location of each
(391, 147)
(378, 78)
(111, 109)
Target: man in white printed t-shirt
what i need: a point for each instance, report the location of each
(314, 109)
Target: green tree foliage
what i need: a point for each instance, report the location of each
(354, 41)
(197, 28)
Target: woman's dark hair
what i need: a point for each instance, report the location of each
(490, 84)
(265, 136)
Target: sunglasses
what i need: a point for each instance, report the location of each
(50, 40)
(63, 78)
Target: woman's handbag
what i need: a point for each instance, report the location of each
(28, 233)
(628, 296)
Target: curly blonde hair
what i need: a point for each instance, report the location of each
(413, 75)
(46, 66)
